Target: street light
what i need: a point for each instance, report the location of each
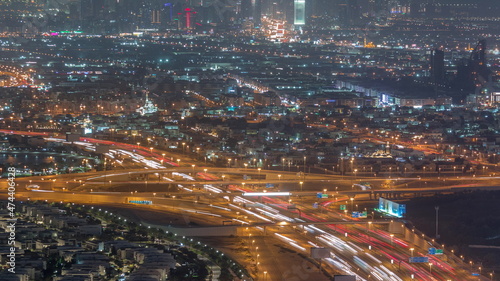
(301, 183)
(392, 237)
(411, 250)
(437, 221)
(305, 165)
(352, 204)
(430, 268)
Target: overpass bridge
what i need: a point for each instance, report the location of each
(238, 229)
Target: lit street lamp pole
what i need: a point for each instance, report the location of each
(259, 173)
(437, 221)
(305, 165)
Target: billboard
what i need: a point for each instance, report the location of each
(418, 259)
(434, 251)
(360, 215)
(321, 195)
(141, 202)
(391, 208)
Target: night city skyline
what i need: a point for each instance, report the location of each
(265, 140)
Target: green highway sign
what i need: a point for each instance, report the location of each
(342, 207)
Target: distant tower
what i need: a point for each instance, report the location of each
(188, 12)
(252, 10)
(479, 54)
(148, 107)
(155, 16)
(437, 66)
(349, 12)
(169, 9)
(299, 18)
(473, 74)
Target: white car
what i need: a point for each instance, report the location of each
(33, 186)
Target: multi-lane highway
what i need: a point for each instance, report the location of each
(367, 250)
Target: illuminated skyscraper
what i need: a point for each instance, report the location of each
(299, 18)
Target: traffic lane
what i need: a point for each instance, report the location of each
(356, 232)
(205, 213)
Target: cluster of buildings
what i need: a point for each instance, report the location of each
(264, 105)
(129, 17)
(53, 244)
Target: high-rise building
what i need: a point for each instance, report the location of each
(349, 12)
(91, 14)
(437, 66)
(251, 10)
(478, 55)
(473, 73)
(299, 18)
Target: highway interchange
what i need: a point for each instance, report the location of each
(213, 196)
